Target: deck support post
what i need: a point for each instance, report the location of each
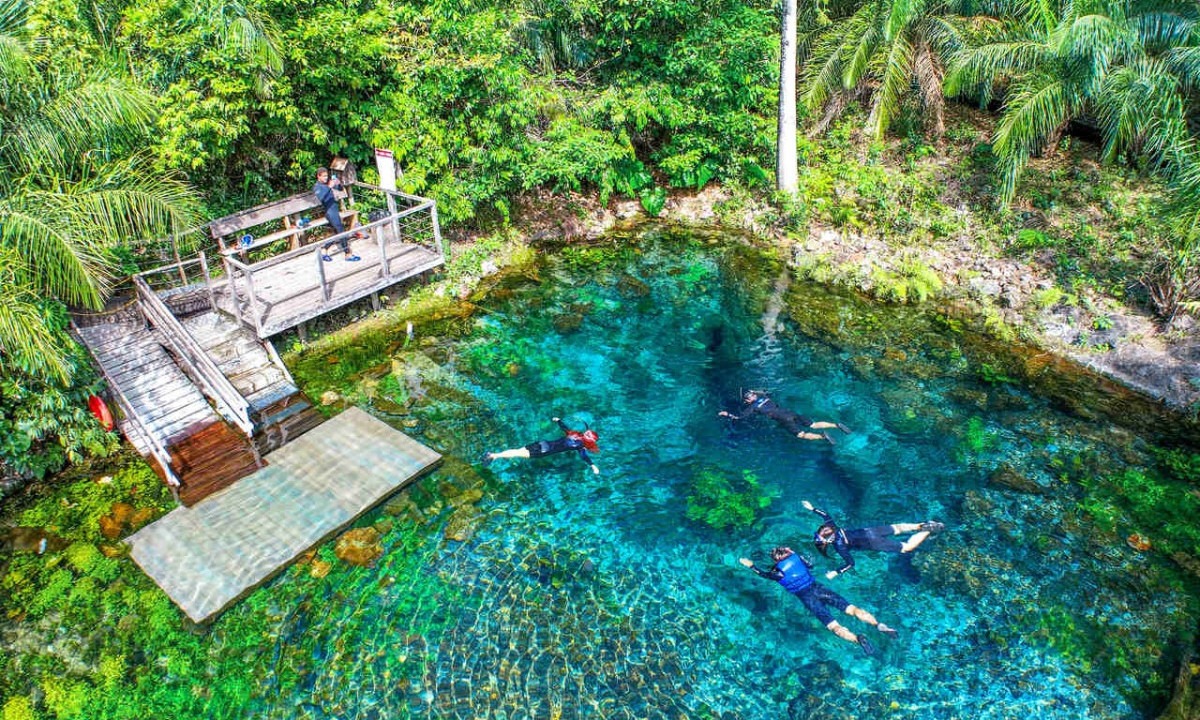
(375, 301)
(302, 331)
(212, 296)
(254, 312)
(231, 282)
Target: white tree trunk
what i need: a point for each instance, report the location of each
(786, 170)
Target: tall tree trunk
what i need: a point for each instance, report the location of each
(786, 170)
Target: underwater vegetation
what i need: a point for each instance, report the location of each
(727, 499)
(1064, 585)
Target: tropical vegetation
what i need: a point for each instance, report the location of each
(126, 124)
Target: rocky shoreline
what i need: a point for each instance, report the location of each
(1118, 341)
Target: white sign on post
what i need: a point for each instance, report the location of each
(386, 162)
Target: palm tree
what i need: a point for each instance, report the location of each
(75, 188)
(787, 173)
(1124, 66)
(886, 48)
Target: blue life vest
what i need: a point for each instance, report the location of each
(796, 576)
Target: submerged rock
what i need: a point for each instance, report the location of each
(28, 539)
(1006, 476)
(463, 523)
(359, 546)
(1185, 699)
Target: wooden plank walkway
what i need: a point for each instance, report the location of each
(165, 401)
(208, 556)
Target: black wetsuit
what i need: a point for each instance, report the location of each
(879, 537)
(794, 574)
(328, 199)
(793, 421)
(562, 444)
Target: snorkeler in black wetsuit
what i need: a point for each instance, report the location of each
(580, 442)
(793, 572)
(797, 424)
(880, 537)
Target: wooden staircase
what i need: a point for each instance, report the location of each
(280, 411)
(210, 459)
(166, 414)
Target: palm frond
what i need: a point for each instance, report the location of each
(1161, 31)
(860, 58)
(1140, 107)
(823, 74)
(66, 263)
(929, 74)
(13, 14)
(1099, 42)
(1035, 111)
(894, 81)
(24, 335)
(76, 120)
(127, 202)
(995, 62)
(1184, 63)
(945, 35)
(903, 13)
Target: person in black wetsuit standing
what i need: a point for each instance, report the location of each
(754, 401)
(326, 189)
(579, 441)
(880, 537)
(794, 573)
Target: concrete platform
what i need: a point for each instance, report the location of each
(208, 556)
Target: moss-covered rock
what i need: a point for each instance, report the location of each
(359, 546)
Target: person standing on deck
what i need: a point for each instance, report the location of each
(326, 190)
(580, 442)
(793, 572)
(802, 427)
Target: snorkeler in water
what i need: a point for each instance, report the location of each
(755, 401)
(579, 441)
(794, 573)
(880, 537)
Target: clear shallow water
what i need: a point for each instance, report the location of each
(583, 596)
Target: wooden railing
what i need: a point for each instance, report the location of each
(157, 450)
(411, 219)
(196, 361)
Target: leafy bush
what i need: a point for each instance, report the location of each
(722, 500)
(44, 423)
(913, 281)
(18, 708)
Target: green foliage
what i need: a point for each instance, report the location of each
(77, 183)
(1030, 239)
(1051, 296)
(913, 281)
(993, 375)
(18, 708)
(45, 422)
(978, 437)
(1181, 465)
(725, 500)
(653, 200)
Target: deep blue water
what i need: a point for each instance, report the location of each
(593, 596)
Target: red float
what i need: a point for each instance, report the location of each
(100, 410)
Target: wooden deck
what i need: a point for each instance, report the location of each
(280, 293)
(208, 556)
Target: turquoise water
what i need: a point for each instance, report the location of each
(593, 596)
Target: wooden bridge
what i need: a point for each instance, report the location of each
(201, 392)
